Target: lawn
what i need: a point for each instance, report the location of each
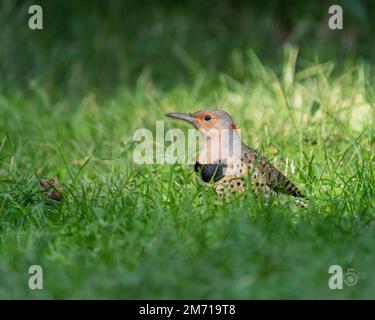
(71, 100)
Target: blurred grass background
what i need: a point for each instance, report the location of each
(72, 94)
(103, 46)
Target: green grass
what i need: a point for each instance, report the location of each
(131, 231)
(154, 231)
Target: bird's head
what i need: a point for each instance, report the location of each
(207, 120)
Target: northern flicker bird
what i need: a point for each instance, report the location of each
(228, 163)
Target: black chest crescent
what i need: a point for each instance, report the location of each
(210, 172)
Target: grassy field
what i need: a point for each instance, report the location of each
(153, 231)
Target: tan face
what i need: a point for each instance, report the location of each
(218, 127)
(204, 121)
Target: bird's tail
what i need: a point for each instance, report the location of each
(291, 188)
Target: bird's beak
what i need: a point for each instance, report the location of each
(182, 116)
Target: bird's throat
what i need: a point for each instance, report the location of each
(220, 148)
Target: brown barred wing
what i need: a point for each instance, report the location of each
(265, 174)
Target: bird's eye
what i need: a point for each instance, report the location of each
(207, 117)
